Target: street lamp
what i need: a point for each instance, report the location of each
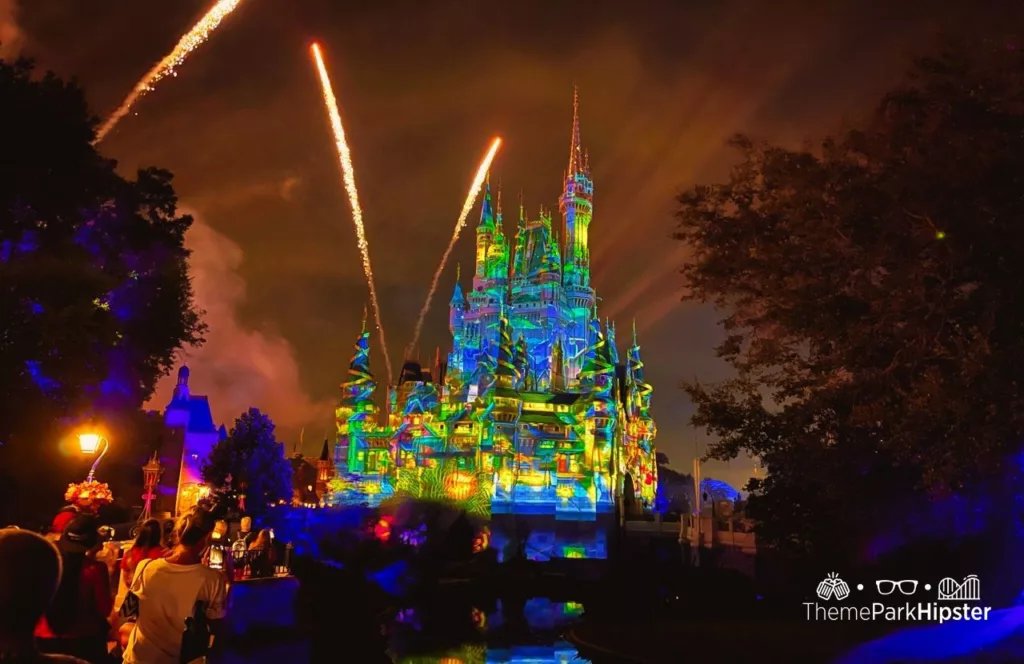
(89, 443)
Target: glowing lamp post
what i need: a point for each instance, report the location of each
(89, 443)
(151, 475)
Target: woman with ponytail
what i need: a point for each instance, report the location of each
(76, 622)
(171, 589)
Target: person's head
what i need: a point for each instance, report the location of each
(80, 537)
(30, 570)
(151, 535)
(262, 540)
(220, 530)
(246, 524)
(194, 528)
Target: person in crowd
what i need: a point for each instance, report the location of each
(262, 555)
(61, 520)
(148, 545)
(245, 534)
(218, 556)
(76, 621)
(168, 590)
(30, 569)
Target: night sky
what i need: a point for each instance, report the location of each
(423, 86)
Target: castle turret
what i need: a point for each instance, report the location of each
(457, 305)
(577, 207)
(324, 470)
(506, 373)
(181, 387)
(613, 349)
(491, 251)
(356, 413)
(520, 261)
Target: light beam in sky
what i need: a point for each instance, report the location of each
(349, 177)
(192, 40)
(467, 207)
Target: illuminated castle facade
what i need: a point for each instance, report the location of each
(534, 411)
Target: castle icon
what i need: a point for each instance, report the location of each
(968, 590)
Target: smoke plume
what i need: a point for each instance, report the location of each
(10, 34)
(238, 367)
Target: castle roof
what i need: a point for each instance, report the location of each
(200, 416)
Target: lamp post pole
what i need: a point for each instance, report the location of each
(90, 443)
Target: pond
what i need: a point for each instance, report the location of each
(509, 632)
(452, 624)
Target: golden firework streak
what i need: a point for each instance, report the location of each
(192, 40)
(467, 207)
(349, 177)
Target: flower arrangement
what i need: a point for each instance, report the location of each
(89, 494)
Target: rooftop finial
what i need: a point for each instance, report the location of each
(364, 318)
(458, 272)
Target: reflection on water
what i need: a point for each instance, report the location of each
(527, 632)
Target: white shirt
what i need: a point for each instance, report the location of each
(167, 595)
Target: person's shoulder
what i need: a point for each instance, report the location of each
(211, 575)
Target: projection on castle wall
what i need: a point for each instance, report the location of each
(533, 412)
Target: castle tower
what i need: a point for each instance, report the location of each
(577, 208)
(491, 276)
(356, 414)
(324, 470)
(181, 387)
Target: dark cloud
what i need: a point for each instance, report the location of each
(423, 86)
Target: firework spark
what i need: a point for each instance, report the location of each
(192, 40)
(467, 207)
(349, 177)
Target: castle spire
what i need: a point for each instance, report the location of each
(575, 149)
(498, 203)
(486, 213)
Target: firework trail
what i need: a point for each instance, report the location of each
(192, 40)
(349, 176)
(467, 207)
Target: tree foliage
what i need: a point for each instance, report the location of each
(94, 284)
(874, 300)
(250, 461)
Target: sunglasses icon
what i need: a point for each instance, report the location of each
(906, 586)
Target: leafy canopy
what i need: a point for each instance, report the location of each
(250, 461)
(873, 294)
(94, 283)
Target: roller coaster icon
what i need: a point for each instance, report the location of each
(968, 590)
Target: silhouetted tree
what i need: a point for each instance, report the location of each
(874, 292)
(94, 287)
(250, 461)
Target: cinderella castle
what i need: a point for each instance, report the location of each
(534, 411)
